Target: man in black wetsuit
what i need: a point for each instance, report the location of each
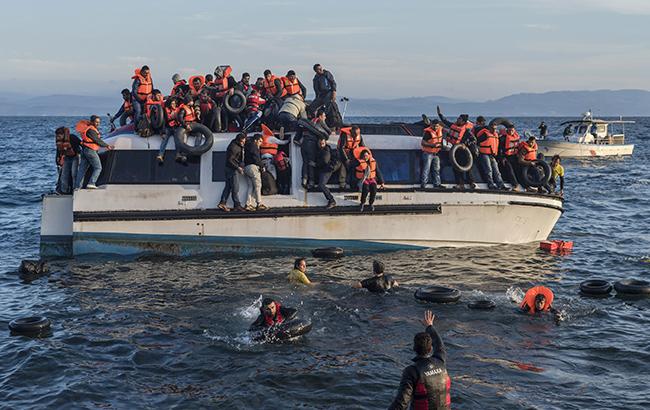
(379, 283)
(425, 384)
(272, 313)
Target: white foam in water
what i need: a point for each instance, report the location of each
(515, 294)
(236, 342)
(251, 311)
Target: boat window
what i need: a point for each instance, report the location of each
(218, 166)
(141, 167)
(398, 166)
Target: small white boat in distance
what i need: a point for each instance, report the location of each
(588, 137)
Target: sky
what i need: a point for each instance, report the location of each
(471, 50)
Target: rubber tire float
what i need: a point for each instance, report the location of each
(483, 304)
(595, 287)
(230, 102)
(461, 158)
(33, 326)
(156, 117)
(632, 287)
(438, 294)
(527, 179)
(328, 253)
(501, 121)
(289, 329)
(196, 129)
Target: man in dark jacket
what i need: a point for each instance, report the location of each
(425, 384)
(272, 313)
(328, 162)
(378, 283)
(325, 89)
(234, 166)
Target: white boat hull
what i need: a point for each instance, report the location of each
(567, 149)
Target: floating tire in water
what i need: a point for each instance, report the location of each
(536, 179)
(196, 130)
(501, 121)
(632, 287)
(438, 294)
(595, 287)
(156, 117)
(33, 326)
(461, 158)
(33, 267)
(235, 102)
(287, 330)
(328, 253)
(484, 304)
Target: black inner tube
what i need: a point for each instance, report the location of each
(501, 121)
(461, 158)
(632, 287)
(438, 294)
(484, 304)
(332, 252)
(287, 330)
(595, 287)
(197, 130)
(31, 326)
(236, 102)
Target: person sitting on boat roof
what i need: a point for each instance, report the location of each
(126, 109)
(253, 170)
(234, 166)
(425, 384)
(509, 141)
(244, 85)
(488, 145)
(368, 176)
(68, 148)
(185, 116)
(180, 87)
(298, 274)
(196, 83)
(293, 86)
(349, 139)
(379, 282)
(171, 123)
(272, 313)
(527, 156)
(209, 79)
(154, 100)
(141, 88)
(209, 110)
(223, 84)
(431, 145)
(253, 111)
(329, 163)
(543, 130)
(557, 171)
(457, 133)
(325, 90)
(91, 141)
(538, 299)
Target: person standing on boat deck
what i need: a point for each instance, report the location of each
(171, 123)
(349, 139)
(126, 109)
(509, 140)
(425, 384)
(293, 86)
(543, 130)
(309, 148)
(325, 90)
(233, 168)
(328, 163)
(431, 145)
(142, 87)
(253, 170)
(378, 283)
(457, 131)
(298, 274)
(155, 99)
(526, 157)
(68, 149)
(91, 141)
(557, 171)
(488, 145)
(368, 176)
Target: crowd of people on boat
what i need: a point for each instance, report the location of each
(278, 103)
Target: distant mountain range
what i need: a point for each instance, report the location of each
(554, 103)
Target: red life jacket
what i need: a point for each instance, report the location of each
(176, 85)
(64, 146)
(531, 294)
(510, 143)
(431, 136)
(291, 87)
(127, 107)
(456, 132)
(146, 85)
(222, 84)
(172, 117)
(194, 92)
(490, 145)
(530, 153)
(280, 161)
(205, 106)
(187, 113)
(349, 143)
(253, 103)
(270, 320)
(82, 128)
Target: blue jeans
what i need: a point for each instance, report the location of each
(137, 110)
(89, 158)
(232, 186)
(169, 133)
(430, 162)
(491, 170)
(69, 173)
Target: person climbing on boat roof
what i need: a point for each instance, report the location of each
(272, 313)
(557, 171)
(349, 139)
(368, 176)
(329, 163)
(126, 109)
(293, 86)
(325, 90)
(298, 274)
(379, 282)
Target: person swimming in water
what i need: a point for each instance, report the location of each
(298, 274)
(272, 313)
(539, 299)
(379, 283)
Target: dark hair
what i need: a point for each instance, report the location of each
(267, 301)
(539, 298)
(556, 156)
(257, 137)
(267, 72)
(531, 138)
(377, 267)
(320, 112)
(62, 130)
(422, 344)
(464, 117)
(355, 127)
(169, 101)
(126, 90)
(480, 118)
(245, 75)
(144, 67)
(290, 72)
(93, 118)
(209, 77)
(155, 91)
(316, 65)
(296, 263)
(240, 136)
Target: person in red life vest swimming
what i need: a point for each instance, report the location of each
(142, 87)
(209, 111)
(539, 299)
(126, 109)
(431, 146)
(283, 168)
(425, 384)
(272, 313)
(488, 145)
(328, 163)
(368, 176)
(458, 133)
(171, 123)
(181, 88)
(91, 141)
(509, 141)
(349, 139)
(68, 149)
(234, 167)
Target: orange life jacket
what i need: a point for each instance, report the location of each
(146, 85)
(456, 132)
(188, 113)
(431, 136)
(271, 88)
(490, 145)
(529, 298)
(361, 168)
(150, 102)
(171, 118)
(127, 106)
(176, 85)
(530, 153)
(195, 91)
(349, 143)
(268, 147)
(82, 128)
(510, 143)
(291, 87)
